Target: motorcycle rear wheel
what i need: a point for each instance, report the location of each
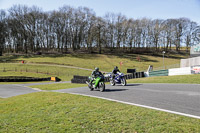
(112, 82)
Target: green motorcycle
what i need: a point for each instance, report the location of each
(97, 83)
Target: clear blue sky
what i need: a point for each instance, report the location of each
(154, 9)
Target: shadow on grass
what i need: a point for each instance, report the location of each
(134, 57)
(15, 58)
(173, 55)
(4, 59)
(83, 56)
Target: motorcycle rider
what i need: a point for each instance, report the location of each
(95, 74)
(114, 72)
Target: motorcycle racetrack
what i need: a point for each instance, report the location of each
(182, 99)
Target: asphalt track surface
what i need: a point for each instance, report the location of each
(9, 90)
(183, 99)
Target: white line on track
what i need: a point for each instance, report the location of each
(139, 105)
(36, 89)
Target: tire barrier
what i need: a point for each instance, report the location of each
(82, 79)
(135, 75)
(131, 70)
(79, 79)
(106, 79)
(22, 79)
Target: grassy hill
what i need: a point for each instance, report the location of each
(46, 65)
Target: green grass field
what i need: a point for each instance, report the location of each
(183, 79)
(56, 112)
(89, 61)
(58, 86)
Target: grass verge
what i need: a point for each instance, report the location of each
(58, 86)
(23, 82)
(65, 74)
(183, 79)
(56, 112)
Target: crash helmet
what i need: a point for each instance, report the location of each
(97, 69)
(116, 68)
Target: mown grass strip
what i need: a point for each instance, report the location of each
(58, 86)
(56, 112)
(183, 79)
(24, 82)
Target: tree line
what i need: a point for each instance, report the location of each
(26, 29)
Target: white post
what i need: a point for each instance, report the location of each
(163, 59)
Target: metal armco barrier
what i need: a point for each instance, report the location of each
(159, 73)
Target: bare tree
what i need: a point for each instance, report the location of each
(190, 33)
(3, 30)
(29, 29)
(119, 29)
(156, 32)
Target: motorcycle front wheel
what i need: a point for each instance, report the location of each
(123, 81)
(102, 87)
(89, 86)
